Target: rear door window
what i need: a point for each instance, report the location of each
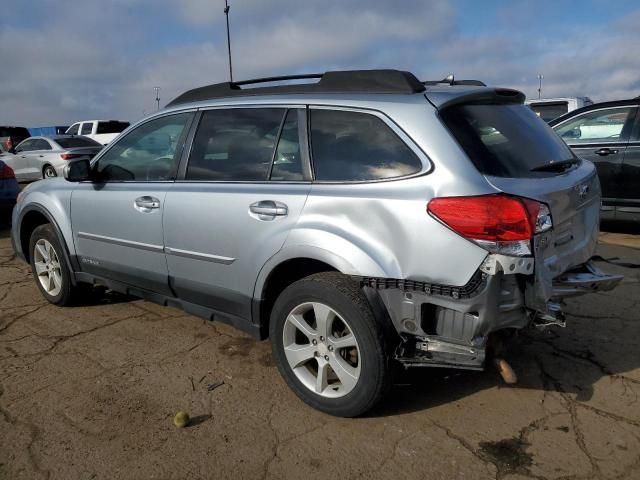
(41, 144)
(111, 127)
(598, 126)
(353, 146)
(86, 128)
(550, 110)
(505, 140)
(236, 145)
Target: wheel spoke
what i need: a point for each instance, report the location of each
(300, 323)
(41, 267)
(299, 354)
(47, 247)
(347, 375)
(42, 251)
(322, 381)
(324, 318)
(57, 279)
(343, 342)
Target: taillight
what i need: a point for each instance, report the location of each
(6, 173)
(499, 223)
(69, 156)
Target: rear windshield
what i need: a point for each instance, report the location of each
(112, 127)
(505, 140)
(73, 142)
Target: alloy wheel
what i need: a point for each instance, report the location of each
(321, 350)
(47, 265)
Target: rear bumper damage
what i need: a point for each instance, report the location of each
(445, 326)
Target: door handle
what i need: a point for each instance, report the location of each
(146, 203)
(269, 208)
(41, 156)
(603, 152)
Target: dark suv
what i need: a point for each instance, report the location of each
(608, 134)
(12, 136)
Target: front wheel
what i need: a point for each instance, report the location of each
(329, 346)
(49, 267)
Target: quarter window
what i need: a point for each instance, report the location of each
(148, 153)
(353, 146)
(235, 144)
(599, 126)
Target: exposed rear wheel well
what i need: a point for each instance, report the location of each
(280, 278)
(29, 223)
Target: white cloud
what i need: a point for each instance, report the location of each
(70, 60)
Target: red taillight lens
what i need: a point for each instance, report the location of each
(6, 173)
(69, 156)
(495, 218)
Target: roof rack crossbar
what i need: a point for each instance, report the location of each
(279, 79)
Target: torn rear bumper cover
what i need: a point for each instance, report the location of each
(450, 326)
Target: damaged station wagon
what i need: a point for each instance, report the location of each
(359, 221)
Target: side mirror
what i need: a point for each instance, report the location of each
(78, 171)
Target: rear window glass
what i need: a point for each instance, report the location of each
(505, 140)
(549, 111)
(74, 142)
(353, 146)
(112, 127)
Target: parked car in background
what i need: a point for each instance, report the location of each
(608, 134)
(550, 108)
(102, 131)
(12, 136)
(361, 221)
(40, 157)
(8, 192)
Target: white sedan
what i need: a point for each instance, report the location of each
(41, 157)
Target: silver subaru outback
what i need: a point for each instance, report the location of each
(364, 220)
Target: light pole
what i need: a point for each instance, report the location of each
(226, 13)
(540, 77)
(157, 90)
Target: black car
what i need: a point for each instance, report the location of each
(608, 134)
(12, 136)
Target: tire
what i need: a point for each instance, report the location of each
(341, 301)
(49, 172)
(43, 242)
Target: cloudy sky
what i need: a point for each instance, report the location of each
(68, 60)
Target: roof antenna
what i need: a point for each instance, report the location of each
(227, 7)
(449, 79)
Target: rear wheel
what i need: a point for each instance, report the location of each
(49, 267)
(329, 346)
(48, 172)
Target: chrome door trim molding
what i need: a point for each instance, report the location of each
(199, 256)
(121, 242)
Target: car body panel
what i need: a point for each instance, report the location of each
(203, 245)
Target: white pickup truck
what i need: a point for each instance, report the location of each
(102, 131)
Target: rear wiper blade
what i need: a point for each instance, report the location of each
(556, 166)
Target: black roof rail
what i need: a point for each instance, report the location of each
(342, 81)
(450, 80)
